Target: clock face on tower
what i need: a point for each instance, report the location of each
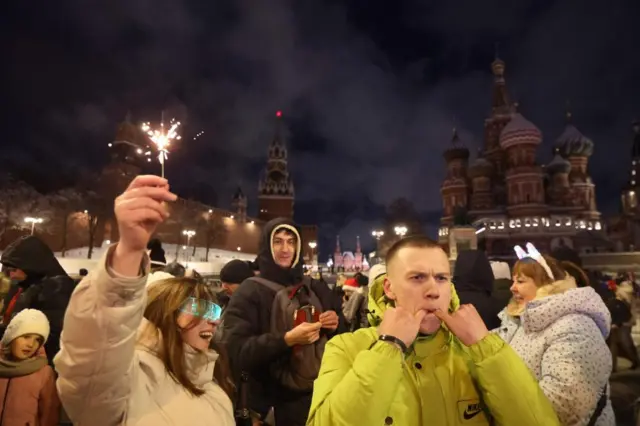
(276, 176)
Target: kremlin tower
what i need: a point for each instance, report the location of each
(275, 189)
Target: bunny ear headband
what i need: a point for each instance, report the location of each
(533, 253)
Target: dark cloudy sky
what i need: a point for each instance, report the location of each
(371, 90)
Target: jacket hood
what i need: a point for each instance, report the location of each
(501, 270)
(560, 299)
(378, 303)
(268, 267)
(473, 272)
(34, 257)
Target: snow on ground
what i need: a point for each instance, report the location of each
(76, 259)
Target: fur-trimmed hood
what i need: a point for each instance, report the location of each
(560, 299)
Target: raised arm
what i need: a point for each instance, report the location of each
(96, 364)
(96, 359)
(355, 389)
(510, 391)
(508, 388)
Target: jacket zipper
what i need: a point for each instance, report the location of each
(4, 402)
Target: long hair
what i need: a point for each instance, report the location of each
(532, 269)
(165, 298)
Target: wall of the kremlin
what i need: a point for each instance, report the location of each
(217, 229)
(271, 207)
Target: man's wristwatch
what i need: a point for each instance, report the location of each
(395, 341)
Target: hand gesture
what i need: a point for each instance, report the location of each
(329, 320)
(465, 323)
(303, 334)
(401, 323)
(139, 211)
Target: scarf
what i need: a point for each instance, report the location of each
(10, 369)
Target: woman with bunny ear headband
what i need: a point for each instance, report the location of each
(559, 330)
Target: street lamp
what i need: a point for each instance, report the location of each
(313, 246)
(33, 221)
(189, 233)
(377, 234)
(400, 231)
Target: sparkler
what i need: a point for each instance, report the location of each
(162, 138)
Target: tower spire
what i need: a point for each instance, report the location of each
(275, 188)
(500, 100)
(358, 248)
(338, 249)
(568, 115)
(455, 138)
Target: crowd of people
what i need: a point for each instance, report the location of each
(139, 342)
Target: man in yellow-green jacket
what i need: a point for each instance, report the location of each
(428, 361)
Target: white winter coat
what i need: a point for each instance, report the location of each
(561, 337)
(108, 376)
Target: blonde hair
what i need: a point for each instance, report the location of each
(165, 298)
(530, 268)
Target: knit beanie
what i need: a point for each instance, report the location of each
(27, 321)
(235, 272)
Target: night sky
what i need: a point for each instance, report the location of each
(371, 90)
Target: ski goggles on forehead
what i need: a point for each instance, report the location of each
(201, 308)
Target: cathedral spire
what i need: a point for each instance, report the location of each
(358, 248)
(500, 101)
(568, 115)
(338, 249)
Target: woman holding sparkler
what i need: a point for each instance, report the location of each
(137, 356)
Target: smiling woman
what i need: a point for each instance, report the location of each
(182, 314)
(145, 341)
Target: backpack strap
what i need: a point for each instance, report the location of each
(267, 283)
(602, 403)
(293, 292)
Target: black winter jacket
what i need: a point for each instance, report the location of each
(473, 279)
(47, 288)
(251, 345)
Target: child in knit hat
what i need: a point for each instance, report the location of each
(28, 393)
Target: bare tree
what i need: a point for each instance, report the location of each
(212, 227)
(97, 199)
(65, 202)
(98, 210)
(19, 200)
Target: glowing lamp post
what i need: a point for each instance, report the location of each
(33, 221)
(377, 234)
(400, 231)
(188, 233)
(313, 245)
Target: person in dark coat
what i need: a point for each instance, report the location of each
(234, 273)
(253, 347)
(473, 280)
(156, 254)
(38, 282)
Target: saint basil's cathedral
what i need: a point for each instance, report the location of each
(508, 197)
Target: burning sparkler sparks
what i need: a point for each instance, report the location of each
(162, 138)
